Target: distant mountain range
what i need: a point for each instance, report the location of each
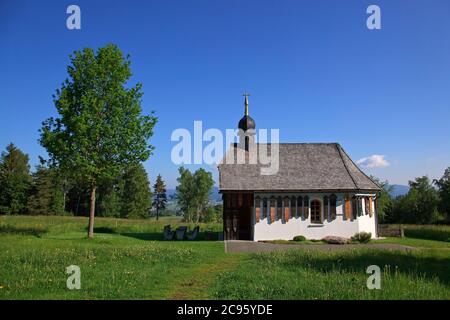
(398, 190)
(216, 197)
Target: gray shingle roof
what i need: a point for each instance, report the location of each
(302, 167)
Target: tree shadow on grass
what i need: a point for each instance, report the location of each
(413, 264)
(154, 236)
(32, 231)
(158, 236)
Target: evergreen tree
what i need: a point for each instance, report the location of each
(47, 194)
(110, 198)
(77, 201)
(15, 180)
(136, 196)
(159, 197)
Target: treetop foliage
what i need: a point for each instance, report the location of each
(100, 127)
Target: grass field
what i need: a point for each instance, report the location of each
(128, 260)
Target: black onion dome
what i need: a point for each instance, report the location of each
(246, 123)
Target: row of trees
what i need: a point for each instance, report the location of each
(49, 191)
(427, 201)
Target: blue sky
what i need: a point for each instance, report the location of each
(313, 69)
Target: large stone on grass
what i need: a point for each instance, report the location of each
(335, 240)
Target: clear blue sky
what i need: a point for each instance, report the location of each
(312, 67)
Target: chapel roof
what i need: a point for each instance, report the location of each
(302, 167)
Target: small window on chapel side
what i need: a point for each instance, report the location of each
(279, 207)
(264, 210)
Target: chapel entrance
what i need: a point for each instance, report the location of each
(237, 219)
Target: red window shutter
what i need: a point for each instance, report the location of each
(347, 208)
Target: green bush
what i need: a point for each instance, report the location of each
(362, 237)
(299, 238)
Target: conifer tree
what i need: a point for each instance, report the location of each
(159, 197)
(136, 196)
(15, 180)
(46, 196)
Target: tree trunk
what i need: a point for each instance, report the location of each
(92, 212)
(157, 212)
(198, 215)
(78, 203)
(64, 201)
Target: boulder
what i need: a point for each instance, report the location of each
(335, 240)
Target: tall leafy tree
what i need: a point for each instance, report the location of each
(425, 200)
(137, 196)
(185, 193)
(159, 195)
(443, 185)
(418, 206)
(193, 193)
(100, 129)
(204, 182)
(15, 180)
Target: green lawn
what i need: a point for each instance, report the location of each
(128, 260)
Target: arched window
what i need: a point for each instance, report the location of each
(325, 208)
(367, 205)
(316, 211)
(299, 206)
(286, 209)
(293, 208)
(272, 209)
(257, 208)
(279, 208)
(360, 207)
(264, 210)
(333, 200)
(306, 207)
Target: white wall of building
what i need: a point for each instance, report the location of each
(287, 230)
